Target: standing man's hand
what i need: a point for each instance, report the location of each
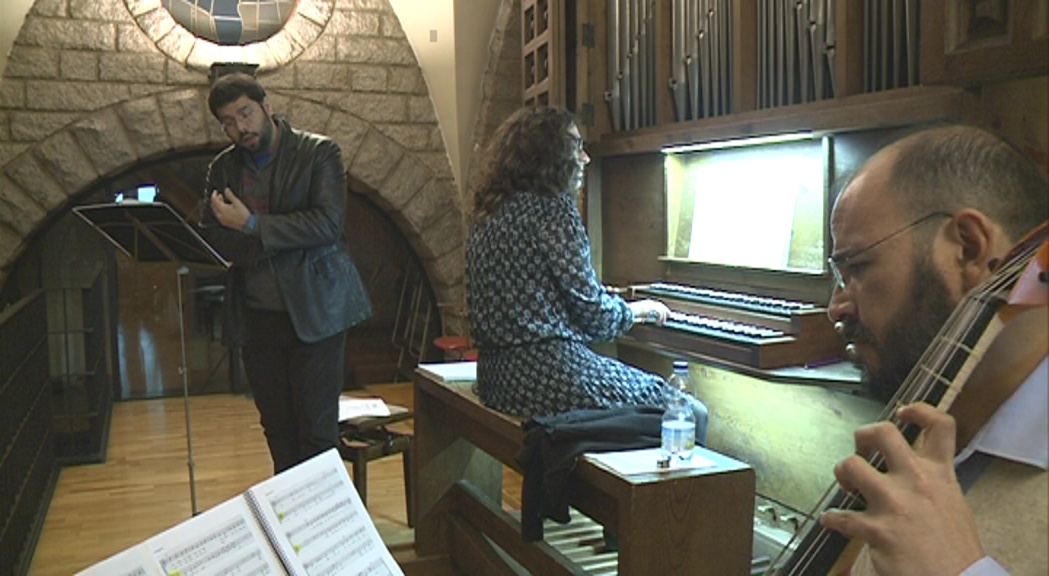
(917, 520)
(229, 210)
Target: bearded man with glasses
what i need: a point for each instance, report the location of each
(923, 222)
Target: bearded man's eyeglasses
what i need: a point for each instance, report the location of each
(839, 265)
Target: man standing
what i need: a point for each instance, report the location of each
(274, 205)
(926, 220)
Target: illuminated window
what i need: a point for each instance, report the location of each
(757, 206)
(231, 22)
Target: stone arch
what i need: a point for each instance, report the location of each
(46, 177)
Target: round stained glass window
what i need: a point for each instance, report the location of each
(231, 22)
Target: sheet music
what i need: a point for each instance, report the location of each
(350, 407)
(318, 522)
(224, 540)
(135, 561)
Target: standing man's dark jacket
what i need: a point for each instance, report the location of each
(301, 236)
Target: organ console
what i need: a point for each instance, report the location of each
(747, 330)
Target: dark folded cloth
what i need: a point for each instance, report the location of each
(553, 444)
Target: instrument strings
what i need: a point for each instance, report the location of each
(926, 381)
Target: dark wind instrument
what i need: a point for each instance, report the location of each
(1002, 321)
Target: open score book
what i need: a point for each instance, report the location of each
(306, 520)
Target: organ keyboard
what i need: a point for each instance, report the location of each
(745, 329)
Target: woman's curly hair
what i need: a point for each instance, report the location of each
(531, 150)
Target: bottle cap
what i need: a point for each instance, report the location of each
(680, 366)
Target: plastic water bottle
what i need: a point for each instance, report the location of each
(679, 420)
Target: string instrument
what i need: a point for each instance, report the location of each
(1003, 320)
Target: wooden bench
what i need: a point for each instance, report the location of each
(694, 522)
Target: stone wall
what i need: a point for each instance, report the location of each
(93, 87)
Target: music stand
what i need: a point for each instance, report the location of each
(154, 232)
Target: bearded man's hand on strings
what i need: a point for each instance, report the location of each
(916, 520)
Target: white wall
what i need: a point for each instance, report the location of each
(451, 40)
(12, 15)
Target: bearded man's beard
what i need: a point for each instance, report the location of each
(928, 306)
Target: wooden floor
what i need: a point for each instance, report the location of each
(143, 487)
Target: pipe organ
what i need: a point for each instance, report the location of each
(687, 60)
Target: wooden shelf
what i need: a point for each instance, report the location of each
(905, 106)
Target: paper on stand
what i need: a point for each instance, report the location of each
(645, 461)
(351, 407)
(450, 371)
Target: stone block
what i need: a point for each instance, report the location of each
(320, 50)
(68, 34)
(157, 23)
(57, 8)
(361, 23)
(65, 160)
(180, 74)
(177, 46)
(391, 26)
(406, 179)
(425, 206)
(281, 48)
(105, 142)
(349, 132)
(375, 159)
(73, 96)
(445, 232)
(132, 67)
(448, 271)
(112, 11)
(9, 151)
(32, 62)
(364, 50)
(12, 93)
(145, 126)
(10, 245)
(301, 32)
(438, 163)
(131, 38)
(364, 5)
(407, 79)
(183, 113)
(307, 115)
(17, 208)
(27, 172)
(420, 109)
(77, 65)
(316, 11)
(136, 91)
(322, 76)
(368, 79)
(35, 126)
(377, 107)
(410, 136)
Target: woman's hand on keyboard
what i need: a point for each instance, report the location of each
(649, 312)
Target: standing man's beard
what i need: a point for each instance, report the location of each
(263, 138)
(910, 332)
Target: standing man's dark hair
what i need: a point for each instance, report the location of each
(274, 206)
(230, 87)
